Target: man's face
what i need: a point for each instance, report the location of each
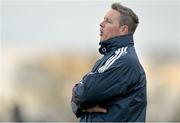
(109, 27)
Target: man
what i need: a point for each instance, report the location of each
(115, 89)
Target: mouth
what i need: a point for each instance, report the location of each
(101, 32)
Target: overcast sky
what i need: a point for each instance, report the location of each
(30, 27)
(57, 24)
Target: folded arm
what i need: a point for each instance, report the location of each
(97, 88)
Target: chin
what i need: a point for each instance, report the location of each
(101, 40)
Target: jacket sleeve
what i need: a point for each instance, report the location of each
(96, 88)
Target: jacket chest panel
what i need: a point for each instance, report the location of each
(101, 62)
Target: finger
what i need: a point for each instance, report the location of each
(96, 109)
(84, 110)
(101, 110)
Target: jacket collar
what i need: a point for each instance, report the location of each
(116, 43)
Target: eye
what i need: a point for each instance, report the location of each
(107, 20)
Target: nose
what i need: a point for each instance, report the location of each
(102, 24)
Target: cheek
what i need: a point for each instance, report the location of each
(111, 31)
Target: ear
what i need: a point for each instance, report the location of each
(124, 29)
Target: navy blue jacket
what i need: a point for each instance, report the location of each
(117, 82)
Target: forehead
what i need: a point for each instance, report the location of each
(113, 14)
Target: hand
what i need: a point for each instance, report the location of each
(95, 109)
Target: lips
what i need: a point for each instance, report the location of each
(101, 32)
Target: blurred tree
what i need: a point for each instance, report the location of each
(44, 86)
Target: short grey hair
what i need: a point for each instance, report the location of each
(127, 17)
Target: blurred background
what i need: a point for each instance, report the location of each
(47, 47)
